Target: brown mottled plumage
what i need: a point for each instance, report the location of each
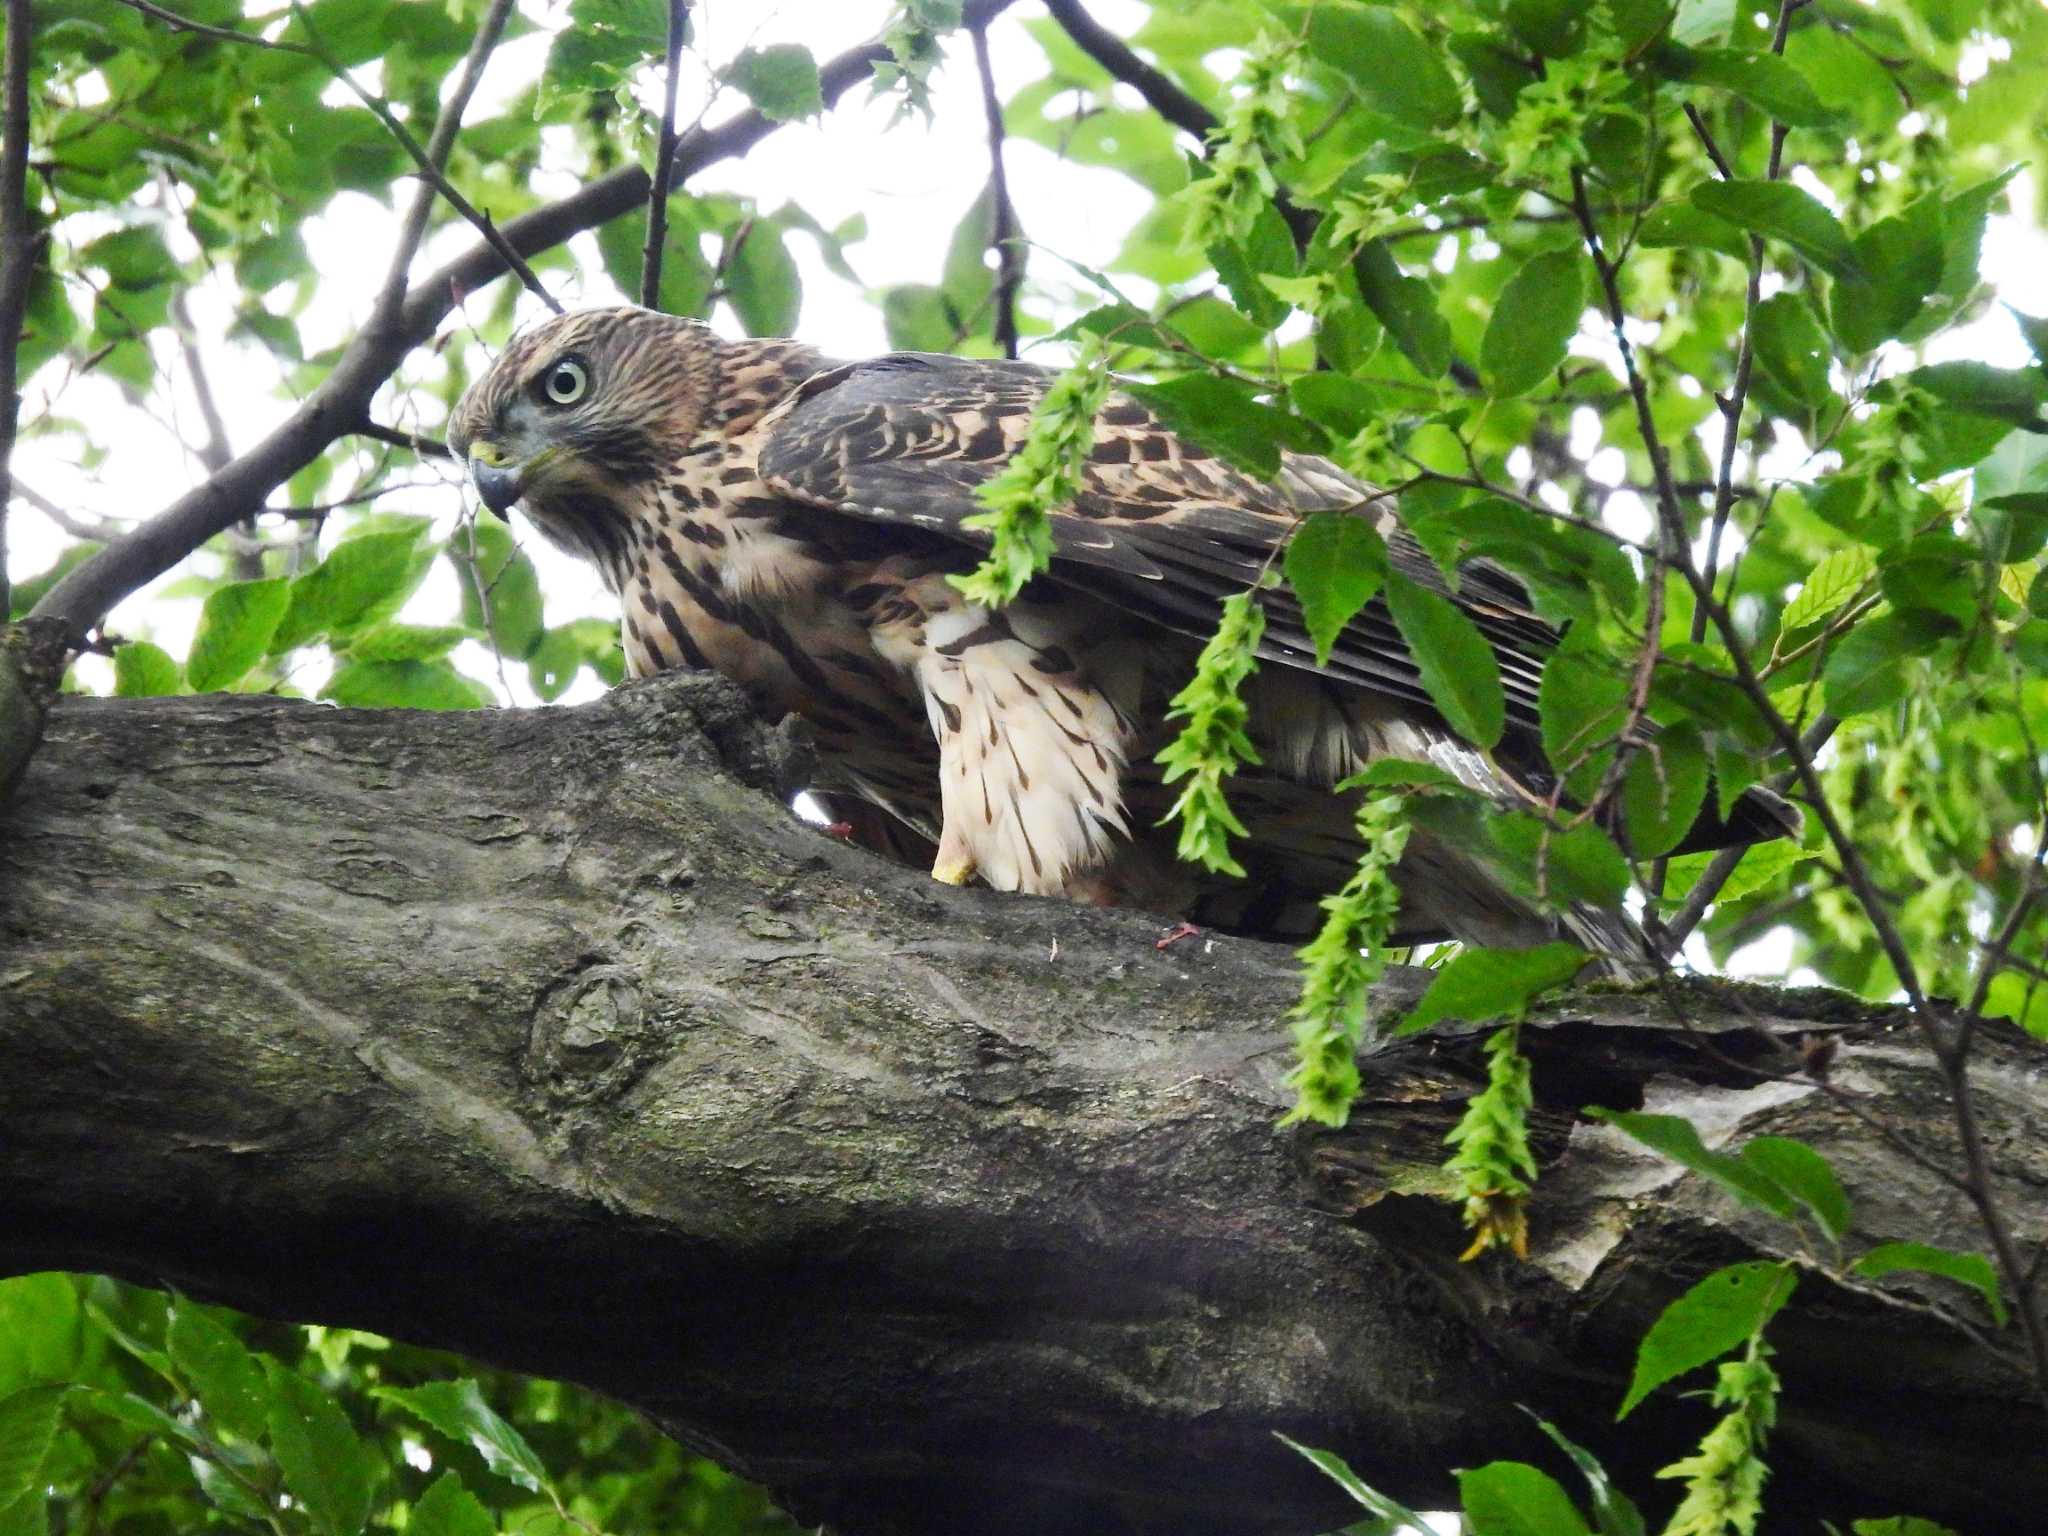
(790, 521)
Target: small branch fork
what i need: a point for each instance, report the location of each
(17, 253)
(1947, 1038)
(664, 162)
(1004, 234)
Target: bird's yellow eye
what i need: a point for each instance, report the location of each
(565, 382)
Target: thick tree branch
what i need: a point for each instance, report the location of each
(340, 404)
(664, 161)
(935, 1210)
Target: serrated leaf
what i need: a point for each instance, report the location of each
(1863, 672)
(235, 628)
(496, 576)
(1400, 773)
(1899, 265)
(1579, 864)
(761, 281)
(219, 1369)
(1406, 306)
(144, 671)
(28, 1427)
(781, 79)
(404, 685)
(1678, 1139)
(1338, 1471)
(1581, 705)
(1971, 1269)
(1512, 1498)
(2005, 394)
(449, 1509)
(1792, 348)
(1483, 984)
(406, 642)
(361, 581)
(1533, 322)
(1778, 210)
(1829, 585)
(1804, 1175)
(1393, 70)
(42, 1334)
(324, 1462)
(1458, 667)
(1722, 1312)
(1335, 562)
(457, 1409)
(1663, 790)
(1228, 419)
(1764, 80)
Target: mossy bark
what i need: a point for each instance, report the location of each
(549, 1036)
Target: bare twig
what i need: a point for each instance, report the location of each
(17, 254)
(1003, 233)
(1161, 95)
(664, 162)
(97, 529)
(431, 157)
(179, 23)
(340, 403)
(412, 442)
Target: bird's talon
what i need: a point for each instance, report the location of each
(1175, 934)
(956, 871)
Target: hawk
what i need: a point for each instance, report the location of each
(791, 521)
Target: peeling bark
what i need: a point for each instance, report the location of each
(548, 1036)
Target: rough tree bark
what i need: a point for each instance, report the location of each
(543, 1036)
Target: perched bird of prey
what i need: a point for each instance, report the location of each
(791, 521)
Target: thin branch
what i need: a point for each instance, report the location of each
(340, 403)
(664, 162)
(1161, 95)
(412, 442)
(17, 255)
(179, 23)
(430, 158)
(1004, 235)
(98, 530)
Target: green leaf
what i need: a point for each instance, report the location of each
(1901, 1525)
(457, 1409)
(28, 1426)
(1863, 673)
(1533, 322)
(1677, 223)
(1399, 773)
(361, 581)
(219, 1369)
(144, 671)
(1793, 349)
(2013, 528)
(496, 574)
(1677, 1138)
(1458, 667)
(1663, 790)
(1581, 704)
(235, 628)
(41, 1330)
(1554, 29)
(1393, 70)
(761, 281)
(1581, 864)
(686, 277)
(406, 642)
(1335, 562)
(1723, 1311)
(1829, 585)
(781, 79)
(449, 1509)
(1971, 1269)
(325, 1464)
(1406, 306)
(1778, 210)
(1226, 417)
(405, 685)
(1399, 1516)
(1899, 264)
(1484, 984)
(1764, 80)
(1614, 1512)
(1759, 867)
(2005, 394)
(1804, 1175)
(1512, 1498)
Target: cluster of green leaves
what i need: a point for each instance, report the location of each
(123, 1409)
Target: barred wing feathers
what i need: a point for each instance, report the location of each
(1161, 528)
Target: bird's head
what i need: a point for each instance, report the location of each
(578, 411)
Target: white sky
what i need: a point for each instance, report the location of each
(912, 184)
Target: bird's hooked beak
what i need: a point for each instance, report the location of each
(502, 480)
